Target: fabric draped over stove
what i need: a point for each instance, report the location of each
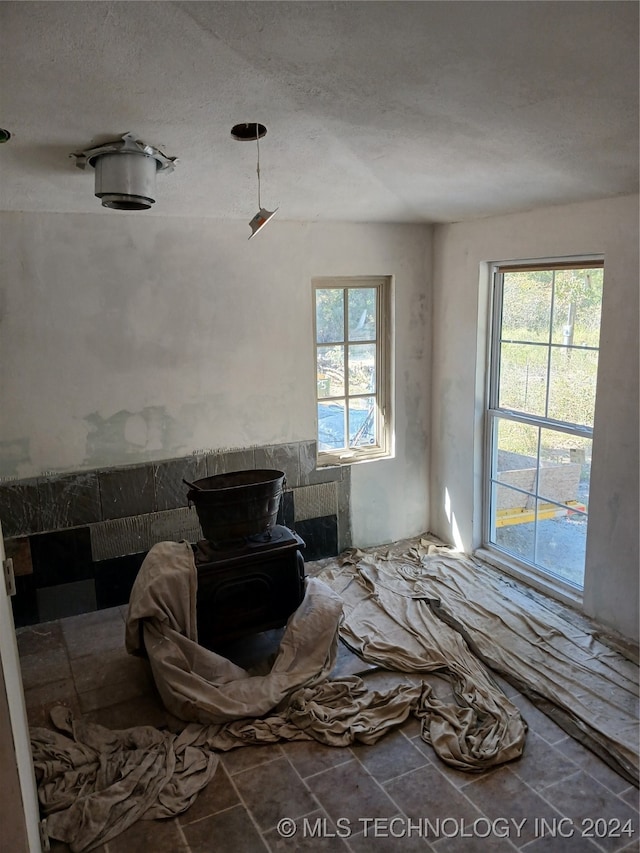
(195, 683)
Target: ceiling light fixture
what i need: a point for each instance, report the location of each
(245, 133)
(125, 172)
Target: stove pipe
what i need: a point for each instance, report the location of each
(125, 172)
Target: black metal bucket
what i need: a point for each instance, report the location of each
(237, 505)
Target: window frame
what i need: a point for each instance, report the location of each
(383, 352)
(494, 413)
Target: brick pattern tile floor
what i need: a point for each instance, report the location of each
(557, 797)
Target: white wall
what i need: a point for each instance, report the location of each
(19, 814)
(460, 314)
(125, 338)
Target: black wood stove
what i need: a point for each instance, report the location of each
(247, 586)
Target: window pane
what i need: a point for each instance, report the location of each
(514, 526)
(517, 447)
(526, 306)
(572, 385)
(362, 313)
(331, 425)
(566, 468)
(329, 315)
(515, 464)
(362, 368)
(561, 539)
(330, 371)
(523, 378)
(362, 422)
(324, 385)
(577, 307)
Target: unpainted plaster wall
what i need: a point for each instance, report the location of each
(460, 317)
(19, 815)
(125, 339)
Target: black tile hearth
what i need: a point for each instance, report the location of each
(25, 602)
(320, 536)
(114, 579)
(67, 599)
(61, 557)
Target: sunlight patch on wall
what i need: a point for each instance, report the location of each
(451, 518)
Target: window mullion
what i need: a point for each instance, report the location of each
(545, 423)
(494, 380)
(345, 338)
(378, 415)
(536, 491)
(553, 300)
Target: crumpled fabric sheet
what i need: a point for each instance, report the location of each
(94, 783)
(585, 686)
(588, 688)
(336, 712)
(388, 622)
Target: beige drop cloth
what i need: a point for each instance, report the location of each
(387, 622)
(199, 685)
(414, 610)
(93, 783)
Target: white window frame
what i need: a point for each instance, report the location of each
(493, 412)
(383, 448)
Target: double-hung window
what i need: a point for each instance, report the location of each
(544, 362)
(352, 352)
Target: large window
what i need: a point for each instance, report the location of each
(352, 352)
(544, 362)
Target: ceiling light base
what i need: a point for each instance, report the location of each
(248, 131)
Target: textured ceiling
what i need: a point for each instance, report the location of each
(376, 111)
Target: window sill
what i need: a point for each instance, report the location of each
(553, 587)
(331, 461)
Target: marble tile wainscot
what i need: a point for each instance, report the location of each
(78, 538)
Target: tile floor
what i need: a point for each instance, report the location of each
(365, 797)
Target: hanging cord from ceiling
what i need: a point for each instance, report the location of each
(258, 166)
